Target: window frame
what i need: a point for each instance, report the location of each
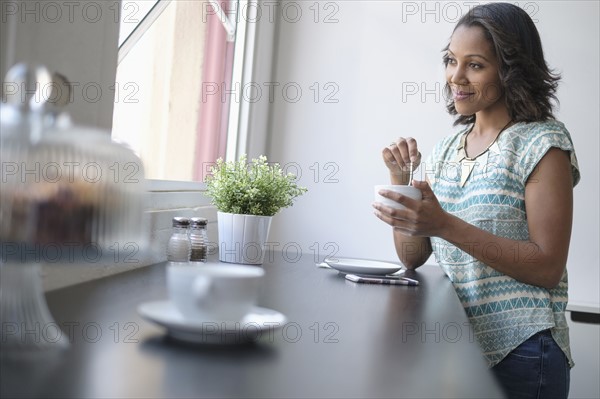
(238, 113)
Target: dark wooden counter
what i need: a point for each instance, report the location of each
(342, 339)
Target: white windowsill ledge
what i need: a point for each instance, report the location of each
(164, 201)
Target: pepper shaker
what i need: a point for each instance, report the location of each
(199, 239)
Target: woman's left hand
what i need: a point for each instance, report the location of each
(424, 218)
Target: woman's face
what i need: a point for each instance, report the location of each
(472, 72)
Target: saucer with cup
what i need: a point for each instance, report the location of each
(213, 303)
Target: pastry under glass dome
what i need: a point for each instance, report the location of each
(69, 195)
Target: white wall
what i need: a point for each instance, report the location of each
(77, 39)
(385, 58)
(585, 347)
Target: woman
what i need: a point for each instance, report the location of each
(498, 201)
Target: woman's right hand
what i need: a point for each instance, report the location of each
(398, 156)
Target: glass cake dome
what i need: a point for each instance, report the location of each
(69, 194)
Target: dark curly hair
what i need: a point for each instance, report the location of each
(528, 84)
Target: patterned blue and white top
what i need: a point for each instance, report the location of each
(503, 311)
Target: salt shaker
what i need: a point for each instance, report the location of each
(199, 239)
(179, 246)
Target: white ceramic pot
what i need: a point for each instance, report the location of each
(242, 238)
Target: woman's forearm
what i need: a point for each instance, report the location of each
(523, 260)
(412, 251)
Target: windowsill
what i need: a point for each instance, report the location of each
(164, 201)
(583, 307)
(174, 186)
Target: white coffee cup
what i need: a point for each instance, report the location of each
(213, 292)
(408, 191)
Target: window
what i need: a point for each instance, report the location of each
(174, 56)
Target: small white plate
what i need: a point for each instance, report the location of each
(259, 322)
(362, 266)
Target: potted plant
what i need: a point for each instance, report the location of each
(247, 195)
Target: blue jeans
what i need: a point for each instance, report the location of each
(537, 368)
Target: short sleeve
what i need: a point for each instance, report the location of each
(540, 137)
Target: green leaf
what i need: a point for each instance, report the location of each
(251, 188)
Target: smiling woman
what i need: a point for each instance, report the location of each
(499, 66)
(501, 237)
(472, 72)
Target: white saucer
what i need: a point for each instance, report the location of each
(258, 323)
(362, 266)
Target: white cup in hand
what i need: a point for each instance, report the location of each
(213, 292)
(408, 191)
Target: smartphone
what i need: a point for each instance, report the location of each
(382, 280)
